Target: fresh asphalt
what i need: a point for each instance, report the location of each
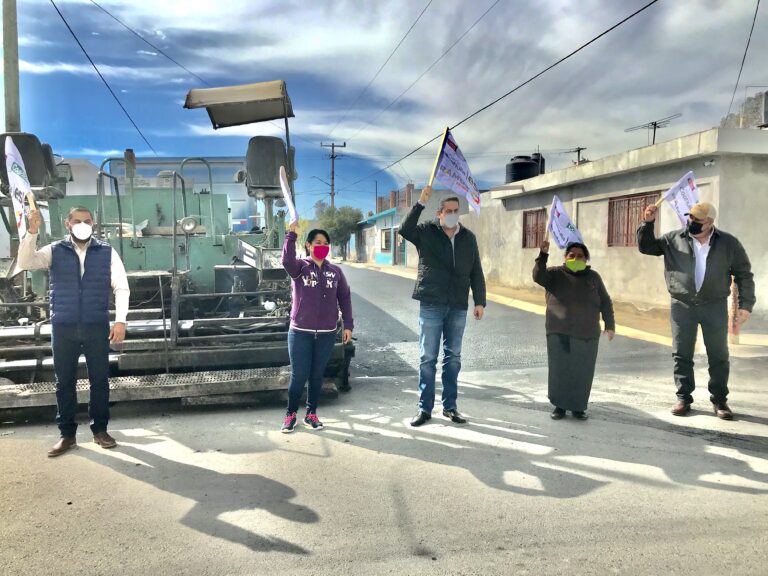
(633, 490)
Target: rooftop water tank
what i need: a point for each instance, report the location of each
(521, 168)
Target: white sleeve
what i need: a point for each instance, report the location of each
(29, 257)
(119, 287)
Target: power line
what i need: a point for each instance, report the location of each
(364, 90)
(744, 58)
(515, 89)
(443, 55)
(132, 31)
(102, 78)
(179, 64)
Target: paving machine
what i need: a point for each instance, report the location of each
(210, 306)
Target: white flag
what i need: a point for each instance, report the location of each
(561, 227)
(451, 170)
(682, 196)
(287, 196)
(18, 184)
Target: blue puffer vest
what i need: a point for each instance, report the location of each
(75, 299)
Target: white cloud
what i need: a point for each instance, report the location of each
(146, 52)
(675, 57)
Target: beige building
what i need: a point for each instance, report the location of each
(606, 199)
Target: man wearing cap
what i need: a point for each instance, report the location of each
(699, 261)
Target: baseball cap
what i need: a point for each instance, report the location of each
(702, 210)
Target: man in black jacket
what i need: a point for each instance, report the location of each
(699, 261)
(449, 264)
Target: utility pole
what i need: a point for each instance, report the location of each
(11, 67)
(578, 150)
(376, 205)
(333, 157)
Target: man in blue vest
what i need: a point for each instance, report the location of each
(83, 272)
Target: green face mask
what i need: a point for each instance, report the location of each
(576, 265)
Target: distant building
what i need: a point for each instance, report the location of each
(377, 240)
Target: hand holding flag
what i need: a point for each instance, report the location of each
(18, 183)
(681, 197)
(285, 187)
(560, 225)
(451, 169)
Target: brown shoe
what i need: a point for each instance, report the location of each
(722, 411)
(64, 444)
(104, 440)
(681, 408)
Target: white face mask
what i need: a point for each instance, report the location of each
(450, 221)
(81, 231)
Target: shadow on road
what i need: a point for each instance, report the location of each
(565, 459)
(214, 493)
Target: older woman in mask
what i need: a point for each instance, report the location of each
(576, 298)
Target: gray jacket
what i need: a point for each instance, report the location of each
(726, 258)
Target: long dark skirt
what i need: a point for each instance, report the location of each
(571, 370)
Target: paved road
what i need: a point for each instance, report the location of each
(220, 491)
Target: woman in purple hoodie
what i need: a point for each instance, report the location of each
(320, 290)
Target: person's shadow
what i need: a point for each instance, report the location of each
(214, 494)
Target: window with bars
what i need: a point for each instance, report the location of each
(534, 222)
(625, 215)
(386, 240)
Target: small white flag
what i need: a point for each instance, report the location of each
(561, 227)
(451, 169)
(287, 196)
(18, 182)
(682, 196)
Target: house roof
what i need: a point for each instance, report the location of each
(714, 142)
(383, 214)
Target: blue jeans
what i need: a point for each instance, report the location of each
(309, 353)
(436, 322)
(68, 342)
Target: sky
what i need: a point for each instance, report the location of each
(675, 57)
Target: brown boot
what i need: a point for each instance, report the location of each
(64, 444)
(681, 408)
(722, 411)
(104, 440)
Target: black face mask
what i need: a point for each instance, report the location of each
(695, 228)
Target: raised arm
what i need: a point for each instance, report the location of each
(29, 257)
(291, 264)
(541, 275)
(647, 242)
(409, 227)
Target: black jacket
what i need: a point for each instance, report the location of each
(726, 258)
(439, 281)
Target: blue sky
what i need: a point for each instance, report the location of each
(675, 57)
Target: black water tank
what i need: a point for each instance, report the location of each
(521, 168)
(538, 158)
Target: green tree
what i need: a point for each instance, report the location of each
(340, 223)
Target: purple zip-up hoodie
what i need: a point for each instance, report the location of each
(318, 292)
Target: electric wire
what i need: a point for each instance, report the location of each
(744, 58)
(364, 90)
(104, 80)
(515, 89)
(179, 64)
(425, 72)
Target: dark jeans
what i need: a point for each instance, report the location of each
(440, 322)
(309, 353)
(68, 342)
(713, 318)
